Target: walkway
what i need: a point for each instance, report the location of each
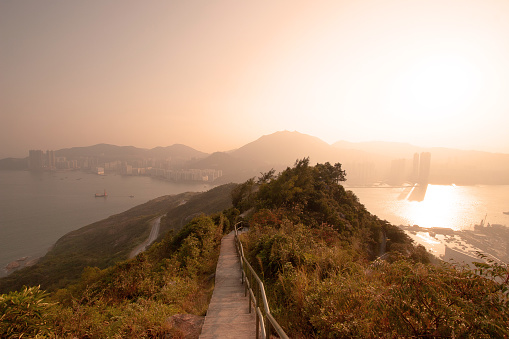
(228, 314)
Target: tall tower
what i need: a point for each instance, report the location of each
(415, 168)
(35, 160)
(424, 167)
(50, 159)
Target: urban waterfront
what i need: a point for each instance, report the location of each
(37, 208)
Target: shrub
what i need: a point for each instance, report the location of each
(24, 313)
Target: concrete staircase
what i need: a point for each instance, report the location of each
(228, 313)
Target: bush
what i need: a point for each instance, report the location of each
(24, 313)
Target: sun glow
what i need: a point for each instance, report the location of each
(440, 85)
(440, 208)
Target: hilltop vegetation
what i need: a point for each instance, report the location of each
(331, 270)
(316, 248)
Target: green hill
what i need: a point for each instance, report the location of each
(330, 268)
(333, 270)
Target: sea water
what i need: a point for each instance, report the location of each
(37, 208)
(446, 206)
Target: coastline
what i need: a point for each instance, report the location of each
(40, 208)
(464, 246)
(19, 264)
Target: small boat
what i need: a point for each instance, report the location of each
(104, 195)
(131, 196)
(506, 213)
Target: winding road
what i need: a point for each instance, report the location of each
(154, 232)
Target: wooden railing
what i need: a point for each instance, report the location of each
(254, 286)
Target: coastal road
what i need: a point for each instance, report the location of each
(154, 232)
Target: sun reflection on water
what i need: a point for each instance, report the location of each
(438, 209)
(446, 206)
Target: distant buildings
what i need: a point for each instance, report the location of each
(424, 167)
(169, 169)
(39, 161)
(35, 160)
(50, 159)
(419, 173)
(187, 175)
(397, 174)
(361, 173)
(415, 168)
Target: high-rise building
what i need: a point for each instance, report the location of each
(424, 167)
(35, 160)
(415, 168)
(50, 159)
(397, 174)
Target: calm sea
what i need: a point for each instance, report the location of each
(36, 209)
(456, 207)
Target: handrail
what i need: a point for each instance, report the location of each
(257, 296)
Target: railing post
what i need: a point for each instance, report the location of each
(264, 319)
(249, 302)
(257, 325)
(258, 295)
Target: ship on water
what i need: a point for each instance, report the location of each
(98, 195)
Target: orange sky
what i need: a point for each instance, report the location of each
(215, 75)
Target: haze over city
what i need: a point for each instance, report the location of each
(217, 75)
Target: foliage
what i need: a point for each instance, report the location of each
(313, 196)
(315, 246)
(195, 204)
(24, 313)
(133, 298)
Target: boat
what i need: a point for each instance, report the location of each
(104, 195)
(506, 213)
(131, 196)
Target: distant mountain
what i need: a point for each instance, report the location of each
(218, 161)
(121, 152)
(13, 164)
(176, 151)
(281, 149)
(278, 150)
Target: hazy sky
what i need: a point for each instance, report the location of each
(217, 74)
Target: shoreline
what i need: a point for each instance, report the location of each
(463, 246)
(18, 264)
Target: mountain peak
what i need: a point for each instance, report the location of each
(284, 147)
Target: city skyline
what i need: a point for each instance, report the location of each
(216, 76)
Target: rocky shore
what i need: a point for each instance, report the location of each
(20, 263)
